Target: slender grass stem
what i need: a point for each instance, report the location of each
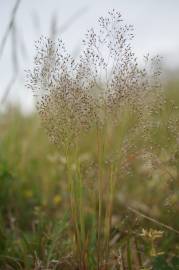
(109, 206)
(80, 205)
(100, 154)
(73, 204)
(99, 223)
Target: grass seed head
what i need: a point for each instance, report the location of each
(75, 95)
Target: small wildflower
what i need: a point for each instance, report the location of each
(151, 234)
(28, 193)
(57, 200)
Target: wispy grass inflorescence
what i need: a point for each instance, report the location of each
(73, 95)
(94, 92)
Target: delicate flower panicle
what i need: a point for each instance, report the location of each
(73, 95)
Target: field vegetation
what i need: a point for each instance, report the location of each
(103, 194)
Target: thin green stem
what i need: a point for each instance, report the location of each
(99, 226)
(109, 207)
(73, 204)
(80, 199)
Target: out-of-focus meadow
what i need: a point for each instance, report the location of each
(35, 224)
(33, 204)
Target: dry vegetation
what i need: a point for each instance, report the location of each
(104, 194)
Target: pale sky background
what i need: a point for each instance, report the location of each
(156, 24)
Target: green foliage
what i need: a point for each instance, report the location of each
(160, 263)
(35, 227)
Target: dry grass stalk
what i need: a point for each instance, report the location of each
(93, 93)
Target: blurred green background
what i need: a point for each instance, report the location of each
(34, 217)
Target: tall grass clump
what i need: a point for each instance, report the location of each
(91, 97)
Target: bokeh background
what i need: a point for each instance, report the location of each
(34, 224)
(156, 32)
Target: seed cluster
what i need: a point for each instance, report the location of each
(75, 94)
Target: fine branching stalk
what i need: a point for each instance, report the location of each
(109, 206)
(94, 95)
